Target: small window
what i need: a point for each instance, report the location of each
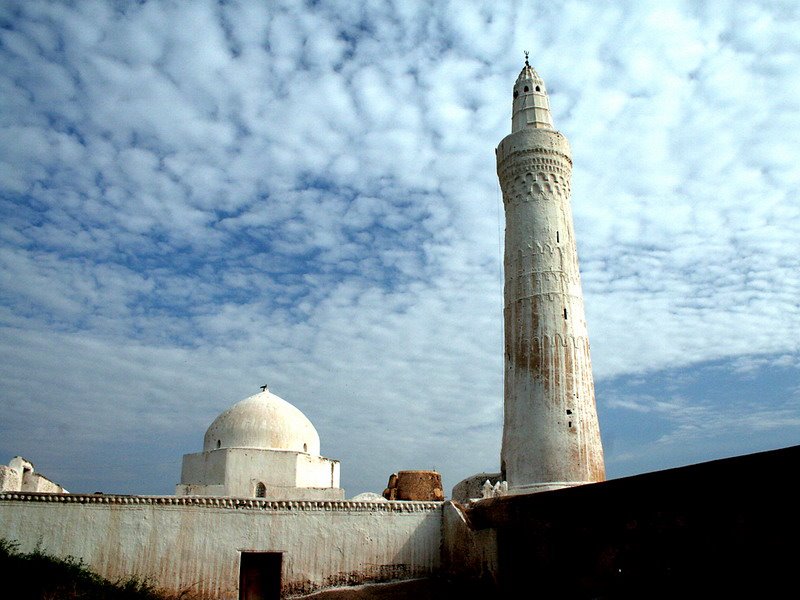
(219, 443)
(565, 314)
(569, 412)
(526, 89)
(569, 424)
(261, 490)
(305, 447)
(537, 89)
(558, 237)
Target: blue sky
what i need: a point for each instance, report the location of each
(200, 198)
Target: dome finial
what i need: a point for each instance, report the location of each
(527, 64)
(265, 388)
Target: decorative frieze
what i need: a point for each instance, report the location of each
(225, 502)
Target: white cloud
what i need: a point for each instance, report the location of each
(197, 197)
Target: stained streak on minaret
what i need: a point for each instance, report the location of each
(551, 435)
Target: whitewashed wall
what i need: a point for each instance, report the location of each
(467, 553)
(19, 476)
(195, 543)
(10, 479)
(288, 475)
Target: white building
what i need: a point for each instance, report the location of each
(19, 476)
(261, 447)
(551, 435)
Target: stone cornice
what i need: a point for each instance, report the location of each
(224, 502)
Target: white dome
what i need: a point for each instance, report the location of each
(263, 421)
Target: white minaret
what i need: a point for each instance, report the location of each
(551, 437)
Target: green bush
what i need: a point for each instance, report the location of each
(38, 576)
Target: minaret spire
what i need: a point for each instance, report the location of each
(551, 436)
(531, 104)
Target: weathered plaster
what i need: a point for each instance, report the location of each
(467, 553)
(551, 436)
(286, 475)
(10, 479)
(471, 488)
(195, 543)
(20, 476)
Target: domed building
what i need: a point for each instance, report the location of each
(261, 447)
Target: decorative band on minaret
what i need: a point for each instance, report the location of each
(551, 435)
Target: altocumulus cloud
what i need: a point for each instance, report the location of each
(199, 198)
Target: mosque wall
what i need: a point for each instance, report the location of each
(316, 471)
(10, 479)
(185, 543)
(35, 482)
(467, 553)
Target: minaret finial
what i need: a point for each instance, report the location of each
(527, 64)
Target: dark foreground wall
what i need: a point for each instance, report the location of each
(728, 528)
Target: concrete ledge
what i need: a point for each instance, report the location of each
(536, 488)
(723, 483)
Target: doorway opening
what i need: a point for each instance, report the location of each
(260, 575)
